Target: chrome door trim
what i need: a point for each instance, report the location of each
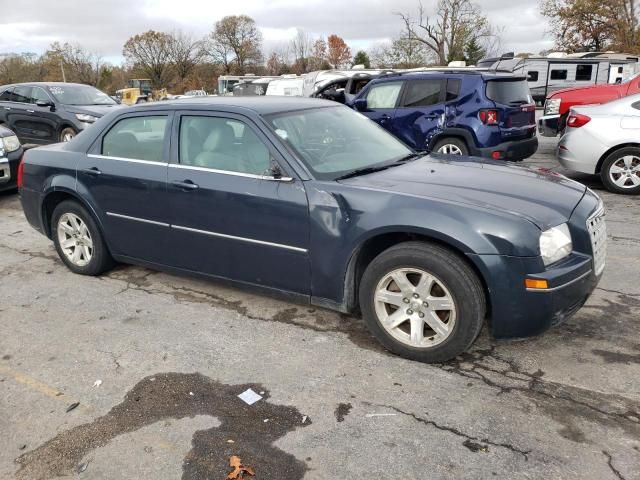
(227, 172)
(137, 219)
(133, 160)
(242, 239)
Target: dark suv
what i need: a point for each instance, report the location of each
(43, 113)
(461, 112)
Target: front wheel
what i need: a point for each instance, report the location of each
(451, 146)
(67, 134)
(422, 302)
(620, 171)
(78, 240)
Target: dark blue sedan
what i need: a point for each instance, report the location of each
(310, 198)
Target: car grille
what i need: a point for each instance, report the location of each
(597, 228)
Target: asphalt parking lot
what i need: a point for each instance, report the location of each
(156, 362)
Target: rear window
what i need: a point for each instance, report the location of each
(509, 92)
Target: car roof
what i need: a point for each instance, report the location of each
(262, 105)
(44, 84)
(485, 73)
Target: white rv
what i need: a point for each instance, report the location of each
(546, 75)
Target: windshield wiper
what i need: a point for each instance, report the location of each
(363, 171)
(411, 156)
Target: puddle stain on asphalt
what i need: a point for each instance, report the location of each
(168, 396)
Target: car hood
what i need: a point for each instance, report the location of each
(541, 196)
(95, 110)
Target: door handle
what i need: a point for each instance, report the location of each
(7, 108)
(30, 111)
(186, 186)
(93, 171)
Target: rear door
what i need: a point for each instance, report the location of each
(421, 112)
(19, 114)
(125, 177)
(515, 106)
(382, 100)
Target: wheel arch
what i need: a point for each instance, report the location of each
(375, 244)
(459, 133)
(612, 150)
(55, 197)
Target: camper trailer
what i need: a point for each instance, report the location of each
(546, 75)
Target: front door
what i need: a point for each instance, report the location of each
(382, 100)
(229, 216)
(124, 176)
(19, 114)
(44, 120)
(420, 113)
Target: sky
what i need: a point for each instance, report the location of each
(103, 26)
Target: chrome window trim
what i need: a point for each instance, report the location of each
(133, 160)
(570, 282)
(229, 172)
(242, 239)
(137, 219)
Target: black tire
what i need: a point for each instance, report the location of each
(66, 134)
(610, 161)
(101, 259)
(457, 142)
(461, 281)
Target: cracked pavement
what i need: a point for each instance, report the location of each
(173, 353)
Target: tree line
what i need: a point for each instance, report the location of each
(456, 30)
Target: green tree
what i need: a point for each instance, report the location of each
(361, 58)
(473, 52)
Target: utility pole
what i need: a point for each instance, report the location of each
(64, 78)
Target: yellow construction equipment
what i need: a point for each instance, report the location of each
(139, 90)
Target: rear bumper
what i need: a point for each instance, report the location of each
(579, 150)
(520, 312)
(514, 151)
(548, 125)
(31, 205)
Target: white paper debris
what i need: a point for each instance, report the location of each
(249, 397)
(97, 383)
(304, 419)
(380, 415)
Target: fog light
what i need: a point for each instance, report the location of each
(535, 283)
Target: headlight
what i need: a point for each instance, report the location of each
(11, 143)
(83, 117)
(552, 106)
(555, 244)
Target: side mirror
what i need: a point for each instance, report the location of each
(274, 172)
(43, 104)
(360, 104)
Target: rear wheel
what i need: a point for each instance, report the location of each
(451, 146)
(422, 302)
(620, 171)
(78, 240)
(67, 134)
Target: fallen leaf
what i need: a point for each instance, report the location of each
(238, 469)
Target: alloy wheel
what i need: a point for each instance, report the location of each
(67, 137)
(75, 240)
(625, 172)
(415, 307)
(450, 149)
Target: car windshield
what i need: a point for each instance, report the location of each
(80, 95)
(336, 141)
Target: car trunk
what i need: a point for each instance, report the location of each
(517, 118)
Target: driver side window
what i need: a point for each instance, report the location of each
(222, 144)
(384, 95)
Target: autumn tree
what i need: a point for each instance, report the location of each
(184, 54)
(236, 39)
(150, 53)
(361, 58)
(449, 30)
(338, 52)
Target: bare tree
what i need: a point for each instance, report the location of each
(150, 53)
(184, 54)
(301, 48)
(447, 32)
(237, 36)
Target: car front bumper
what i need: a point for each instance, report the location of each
(9, 170)
(548, 125)
(515, 151)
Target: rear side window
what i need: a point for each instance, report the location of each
(384, 95)
(583, 73)
(7, 95)
(509, 92)
(558, 75)
(140, 138)
(453, 88)
(222, 144)
(422, 93)
(532, 76)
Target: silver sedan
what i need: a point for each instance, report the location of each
(605, 140)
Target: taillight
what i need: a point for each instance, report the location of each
(488, 117)
(577, 120)
(20, 177)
